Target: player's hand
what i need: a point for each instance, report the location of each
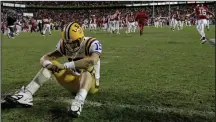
(55, 67)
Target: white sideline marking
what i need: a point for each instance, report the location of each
(156, 109)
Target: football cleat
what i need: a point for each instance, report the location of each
(76, 108)
(203, 40)
(22, 97)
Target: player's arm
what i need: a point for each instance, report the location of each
(192, 13)
(86, 62)
(46, 60)
(94, 52)
(50, 56)
(211, 13)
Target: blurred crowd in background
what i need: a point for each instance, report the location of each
(68, 15)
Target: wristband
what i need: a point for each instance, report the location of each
(69, 65)
(46, 63)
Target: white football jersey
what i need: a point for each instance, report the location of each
(88, 46)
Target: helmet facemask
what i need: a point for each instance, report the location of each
(73, 46)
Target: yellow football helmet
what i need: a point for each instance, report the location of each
(73, 36)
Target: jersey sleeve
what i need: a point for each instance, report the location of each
(95, 47)
(60, 47)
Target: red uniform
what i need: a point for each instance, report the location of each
(141, 18)
(175, 15)
(117, 16)
(178, 16)
(201, 12)
(46, 21)
(34, 25)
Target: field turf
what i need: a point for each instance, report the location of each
(162, 76)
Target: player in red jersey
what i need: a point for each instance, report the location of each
(117, 21)
(201, 15)
(33, 25)
(141, 18)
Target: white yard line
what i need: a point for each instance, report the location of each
(156, 109)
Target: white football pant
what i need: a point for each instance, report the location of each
(201, 24)
(117, 26)
(46, 28)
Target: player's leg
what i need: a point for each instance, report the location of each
(133, 27)
(130, 27)
(117, 27)
(104, 27)
(113, 26)
(91, 27)
(20, 29)
(49, 30)
(44, 29)
(141, 28)
(24, 95)
(200, 28)
(95, 27)
(12, 31)
(160, 24)
(80, 85)
(8, 32)
(108, 28)
(179, 24)
(170, 24)
(31, 30)
(183, 22)
(173, 24)
(126, 27)
(87, 85)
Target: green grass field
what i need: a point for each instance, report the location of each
(162, 76)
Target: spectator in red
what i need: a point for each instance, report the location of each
(141, 19)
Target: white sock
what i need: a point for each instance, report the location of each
(81, 95)
(32, 87)
(42, 76)
(97, 70)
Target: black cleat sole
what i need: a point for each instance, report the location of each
(12, 103)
